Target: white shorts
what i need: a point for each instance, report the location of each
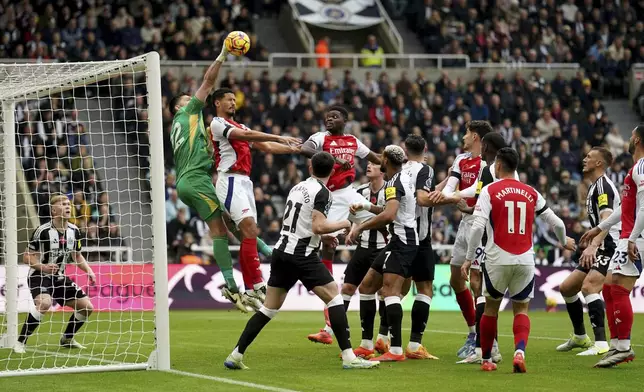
(459, 251)
(517, 279)
(479, 259)
(342, 199)
(236, 194)
(621, 265)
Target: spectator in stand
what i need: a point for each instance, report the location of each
(373, 53)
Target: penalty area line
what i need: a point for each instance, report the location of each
(230, 381)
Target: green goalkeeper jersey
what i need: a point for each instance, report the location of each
(190, 143)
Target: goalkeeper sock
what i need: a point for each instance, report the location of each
(263, 248)
(75, 323)
(224, 261)
(254, 327)
(367, 315)
(30, 325)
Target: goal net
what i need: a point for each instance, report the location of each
(92, 132)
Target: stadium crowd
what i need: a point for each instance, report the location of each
(552, 123)
(604, 36)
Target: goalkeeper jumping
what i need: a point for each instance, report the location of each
(193, 160)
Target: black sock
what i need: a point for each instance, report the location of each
(346, 305)
(28, 328)
(382, 310)
(576, 313)
(480, 308)
(394, 319)
(253, 328)
(596, 314)
(367, 316)
(73, 326)
(340, 326)
(419, 317)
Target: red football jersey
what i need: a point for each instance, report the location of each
(510, 207)
(466, 168)
(344, 147)
(230, 154)
(629, 205)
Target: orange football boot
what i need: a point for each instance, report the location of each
(389, 357)
(488, 366)
(363, 352)
(519, 363)
(381, 346)
(421, 353)
(321, 337)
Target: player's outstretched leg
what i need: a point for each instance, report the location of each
(221, 252)
(83, 308)
(419, 318)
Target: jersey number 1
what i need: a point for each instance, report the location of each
(296, 215)
(521, 206)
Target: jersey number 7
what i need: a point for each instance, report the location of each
(293, 224)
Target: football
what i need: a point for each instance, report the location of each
(237, 43)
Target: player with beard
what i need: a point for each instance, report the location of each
(344, 149)
(603, 198)
(625, 265)
(232, 143)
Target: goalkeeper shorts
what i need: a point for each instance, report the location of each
(198, 192)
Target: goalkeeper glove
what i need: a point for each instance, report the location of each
(222, 56)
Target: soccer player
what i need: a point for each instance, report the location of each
(393, 265)
(370, 244)
(295, 257)
(602, 200)
(507, 208)
(344, 149)
(232, 143)
(464, 174)
(625, 265)
(52, 246)
(490, 145)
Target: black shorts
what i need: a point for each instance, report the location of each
(396, 258)
(601, 264)
(287, 269)
(61, 289)
(359, 265)
(424, 265)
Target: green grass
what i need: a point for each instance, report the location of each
(282, 357)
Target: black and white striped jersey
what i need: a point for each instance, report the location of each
(296, 236)
(603, 195)
(55, 246)
(422, 176)
(401, 187)
(376, 238)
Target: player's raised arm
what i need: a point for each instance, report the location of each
(221, 128)
(277, 148)
(210, 77)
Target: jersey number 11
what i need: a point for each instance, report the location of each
(521, 206)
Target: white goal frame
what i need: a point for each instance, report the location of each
(150, 63)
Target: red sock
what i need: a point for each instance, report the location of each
(521, 330)
(610, 309)
(466, 302)
(249, 260)
(328, 264)
(488, 332)
(623, 311)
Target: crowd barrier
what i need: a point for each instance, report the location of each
(130, 287)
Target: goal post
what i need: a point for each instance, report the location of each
(94, 132)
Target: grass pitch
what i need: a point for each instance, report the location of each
(282, 359)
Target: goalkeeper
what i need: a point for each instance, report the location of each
(193, 161)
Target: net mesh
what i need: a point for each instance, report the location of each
(82, 130)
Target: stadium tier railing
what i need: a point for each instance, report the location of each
(117, 251)
(391, 30)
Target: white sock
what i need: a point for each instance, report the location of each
(236, 355)
(520, 352)
(601, 344)
(259, 285)
(413, 346)
(366, 343)
(478, 351)
(328, 330)
(396, 350)
(348, 355)
(623, 345)
(385, 338)
(472, 329)
(584, 336)
(613, 343)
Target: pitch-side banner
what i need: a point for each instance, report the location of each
(338, 14)
(130, 287)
